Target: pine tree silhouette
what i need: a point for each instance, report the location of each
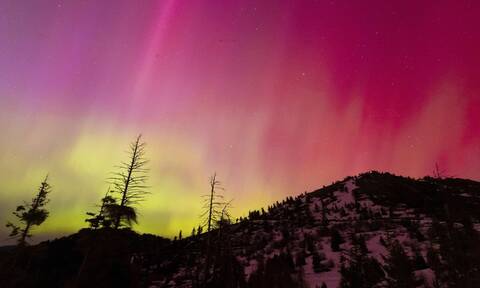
(100, 219)
(30, 214)
(399, 267)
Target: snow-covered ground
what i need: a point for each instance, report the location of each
(312, 217)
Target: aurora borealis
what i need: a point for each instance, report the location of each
(277, 97)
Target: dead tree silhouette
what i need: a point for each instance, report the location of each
(212, 204)
(215, 209)
(129, 183)
(438, 173)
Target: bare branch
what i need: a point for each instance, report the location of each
(129, 182)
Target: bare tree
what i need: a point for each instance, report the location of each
(438, 173)
(215, 214)
(225, 219)
(213, 204)
(31, 214)
(225, 216)
(129, 184)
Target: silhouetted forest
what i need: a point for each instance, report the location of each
(371, 230)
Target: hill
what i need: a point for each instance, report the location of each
(372, 230)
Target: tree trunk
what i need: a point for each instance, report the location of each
(127, 182)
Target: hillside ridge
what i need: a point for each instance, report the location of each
(370, 230)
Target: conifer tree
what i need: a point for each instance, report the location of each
(99, 219)
(316, 262)
(457, 261)
(399, 267)
(324, 212)
(30, 214)
(300, 259)
(360, 270)
(336, 240)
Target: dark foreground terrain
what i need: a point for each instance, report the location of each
(372, 230)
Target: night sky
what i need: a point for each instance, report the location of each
(277, 97)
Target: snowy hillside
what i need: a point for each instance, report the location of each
(318, 238)
(372, 230)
